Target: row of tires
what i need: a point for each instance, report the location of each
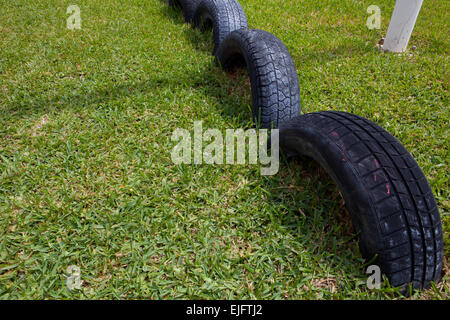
(389, 199)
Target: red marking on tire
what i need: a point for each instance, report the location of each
(343, 152)
(341, 145)
(388, 187)
(376, 163)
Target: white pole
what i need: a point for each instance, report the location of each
(401, 25)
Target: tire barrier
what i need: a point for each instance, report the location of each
(389, 198)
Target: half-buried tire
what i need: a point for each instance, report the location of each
(189, 8)
(224, 16)
(388, 197)
(273, 76)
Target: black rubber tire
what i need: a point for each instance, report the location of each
(273, 76)
(189, 8)
(224, 16)
(386, 192)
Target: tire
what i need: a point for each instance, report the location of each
(224, 16)
(189, 8)
(273, 76)
(388, 197)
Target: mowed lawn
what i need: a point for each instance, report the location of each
(86, 176)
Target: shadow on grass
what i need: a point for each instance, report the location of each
(174, 13)
(32, 106)
(197, 36)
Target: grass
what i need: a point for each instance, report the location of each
(86, 177)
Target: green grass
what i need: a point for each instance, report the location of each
(86, 176)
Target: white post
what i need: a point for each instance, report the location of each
(401, 25)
